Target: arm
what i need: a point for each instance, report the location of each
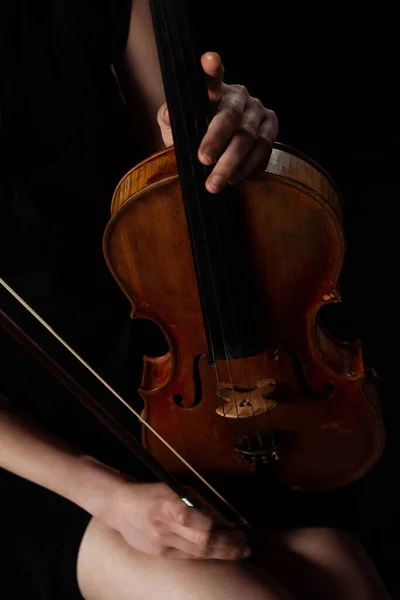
(150, 517)
(30, 451)
(140, 75)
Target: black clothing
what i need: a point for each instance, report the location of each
(65, 142)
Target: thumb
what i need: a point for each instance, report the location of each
(164, 123)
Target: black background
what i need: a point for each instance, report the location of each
(330, 76)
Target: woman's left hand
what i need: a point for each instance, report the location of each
(241, 134)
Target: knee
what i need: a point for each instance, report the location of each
(249, 581)
(317, 538)
(107, 567)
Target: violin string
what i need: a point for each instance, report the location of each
(222, 403)
(178, 15)
(271, 431)
(216, 228)
(270, 427)
(167, 38)
(213, 353)
(110, 389)
(235, 324)
(228, 287)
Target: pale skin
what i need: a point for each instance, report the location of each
(143, 542)
(240, 136)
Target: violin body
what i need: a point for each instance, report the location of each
(317, 413)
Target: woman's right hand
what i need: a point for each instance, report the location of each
(153, 519)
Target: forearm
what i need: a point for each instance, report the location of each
(30, 451)
(140, 76)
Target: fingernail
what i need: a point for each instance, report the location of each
(246, 552)
(207, 153)
(216, 182)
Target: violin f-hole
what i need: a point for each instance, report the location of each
(198, 390)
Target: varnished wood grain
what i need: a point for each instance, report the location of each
(327, 418)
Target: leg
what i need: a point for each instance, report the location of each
(109, 569)
(322, 563)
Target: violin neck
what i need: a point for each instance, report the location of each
(213, 220)
(183, 78)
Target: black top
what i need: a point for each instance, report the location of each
(65, 143)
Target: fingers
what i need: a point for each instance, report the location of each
(207, 537)
(226, 121)
(239, 138)
(241, 135)
(217, 548)
(241, 145)
(164, 124)
(200, 544)
(258, 157)
(163, 116)
(249, 150)
(186, 530)
(176, 513)
(214, 70)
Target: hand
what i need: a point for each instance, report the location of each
(152, 519)
(239, 138)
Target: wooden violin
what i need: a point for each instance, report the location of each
(252, 389)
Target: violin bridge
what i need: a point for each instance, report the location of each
(237, 403)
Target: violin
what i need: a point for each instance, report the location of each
(253, 389)
(253, 392)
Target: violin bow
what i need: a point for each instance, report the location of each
(104, 415)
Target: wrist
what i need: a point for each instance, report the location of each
(94, 485)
